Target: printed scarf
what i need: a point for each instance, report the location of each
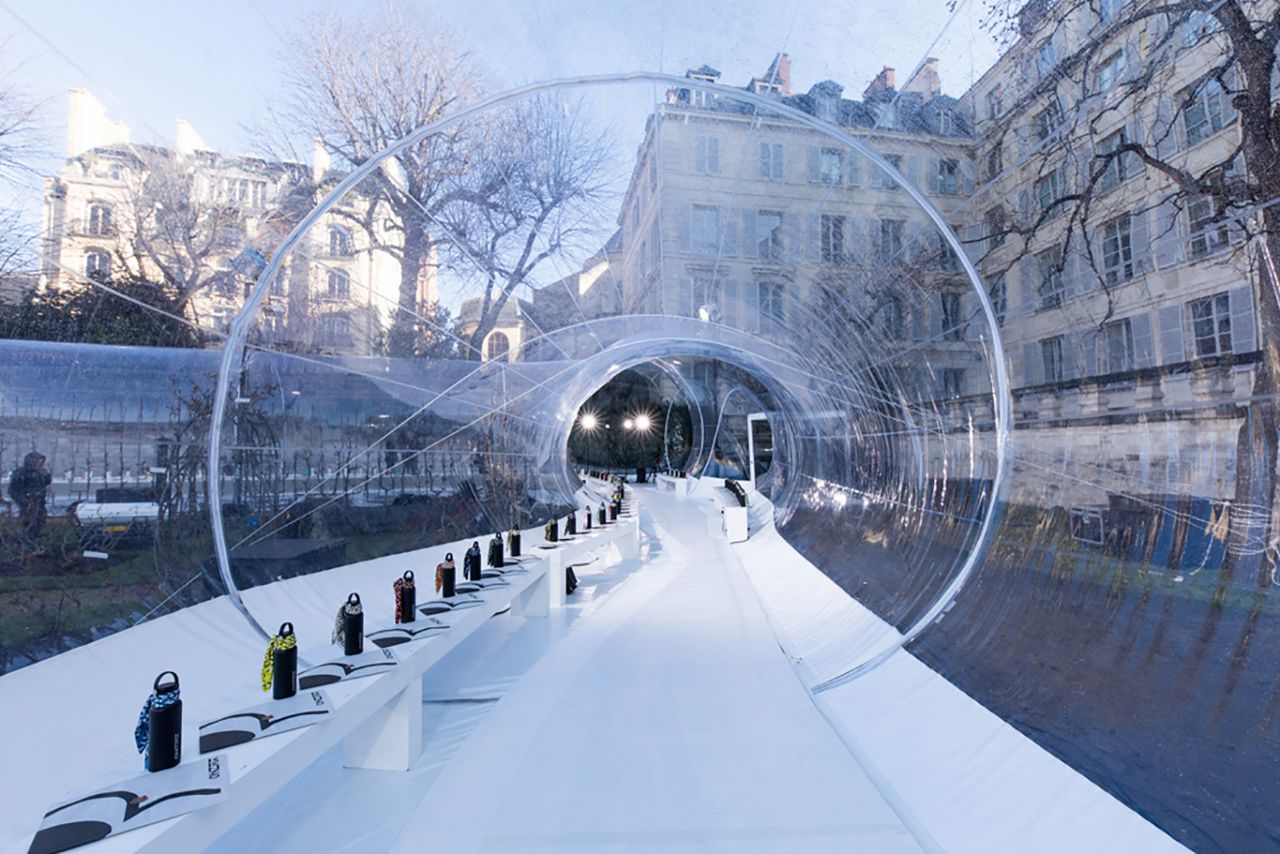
(288, 641)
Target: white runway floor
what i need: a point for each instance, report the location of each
(656, 713)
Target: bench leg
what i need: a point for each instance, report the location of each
(533, 601)
(391, 739)
(628, 544)
(555, 580)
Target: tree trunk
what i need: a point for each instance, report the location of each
(404, 336)
(1256, 443)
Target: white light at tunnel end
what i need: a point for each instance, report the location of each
(233, 346)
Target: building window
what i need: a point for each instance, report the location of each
(1049, 264)
(704, 292)
(832, 238)
(335, 329)
(707, 157)
(952, 319)
(245, 192)
(771, 166)
(1046, 59)
(995, 161)
(706, 229)
(1108, 9)
(999, 295)
(339, 285)
(1051, 357)
(497, 347)
(224, 284)
(1047, 191)
(1048, 120)
(995, 220)
(1202, 111)
(769, 235)
(1114, 170)
(949, 177)
(889, 320)
(1110, 71)
(889, 247)
(772, 317)
(885, 180)
(946, 123)
(995, 102)
(952, 383)
(830, 161)
(339, 242)
(827, 107)
(100, 224)
(653, 174)
(1118, 339)
(1208, 232)
(1117, 249)
(948, 261)
(1211, 325)
(97, 265)
(1199, 25)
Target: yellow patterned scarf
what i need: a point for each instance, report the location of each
(288, 641)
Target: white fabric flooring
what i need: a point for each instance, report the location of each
(670, 720)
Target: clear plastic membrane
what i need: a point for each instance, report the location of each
(411, 362)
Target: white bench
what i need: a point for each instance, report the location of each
(377, 719)
(681, 486)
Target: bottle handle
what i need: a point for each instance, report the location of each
(408, 575)
(353, 599)
(155, 686)
(286, 629)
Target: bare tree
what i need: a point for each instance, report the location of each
(175, 226)
(358, 85)
(1182, 91)
(21, 141)
(538, 191)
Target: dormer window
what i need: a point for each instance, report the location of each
(827, 107)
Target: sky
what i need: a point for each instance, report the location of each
(219, 65)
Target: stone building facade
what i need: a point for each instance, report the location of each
(104, 218)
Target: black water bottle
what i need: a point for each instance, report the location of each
(408, 598)
(495, 552)
(613, 511)
(588, 517)
(284, 666)
(601, 516)
(353, 626)
(571, 525)
(448, 576)
(164, 724)
(513, 543)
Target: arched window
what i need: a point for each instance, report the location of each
(339, 242)
(100, 224)
(339, 285)
(498, 346)
(97, 264)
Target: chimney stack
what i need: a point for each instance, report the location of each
(780, 72)
(880, 86)
(320, 160)
(927, 81)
